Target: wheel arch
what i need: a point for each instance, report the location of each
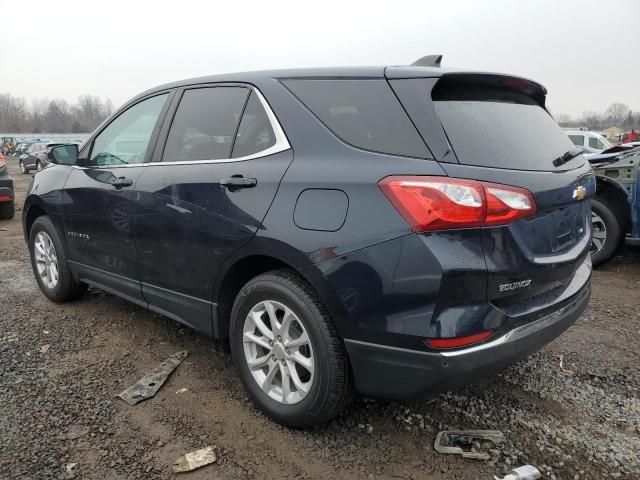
(32, 210)
(247, 264)
(615, 196)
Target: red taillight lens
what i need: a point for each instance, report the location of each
(442, 203)
(457, 342)
(2, 160)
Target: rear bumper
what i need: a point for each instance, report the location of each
(391, 372)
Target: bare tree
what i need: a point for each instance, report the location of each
(52, 115)
(617, 112)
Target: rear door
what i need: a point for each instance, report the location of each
(498, 130)
(205, 196)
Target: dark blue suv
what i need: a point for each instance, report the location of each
(391, 231)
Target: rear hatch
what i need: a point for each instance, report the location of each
(496, 129)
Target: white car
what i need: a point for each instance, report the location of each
(590, 142)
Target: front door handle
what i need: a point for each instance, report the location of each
(237, 182)
(120, 182)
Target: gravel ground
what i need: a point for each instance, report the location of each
(61, 365)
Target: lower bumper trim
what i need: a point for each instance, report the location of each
(392, 372)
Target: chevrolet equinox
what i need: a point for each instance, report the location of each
(390, 231)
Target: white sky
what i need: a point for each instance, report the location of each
(587, 53)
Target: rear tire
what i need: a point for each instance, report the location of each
(49, 263)
(7, 210)
(606, 231)
(317, 393)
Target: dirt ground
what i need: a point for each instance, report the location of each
(572, 410)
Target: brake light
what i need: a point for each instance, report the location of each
(443, 203)
(2, 160)
(457, 342)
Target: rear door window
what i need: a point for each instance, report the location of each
(501, 128)
(363, 113)
(205, 124)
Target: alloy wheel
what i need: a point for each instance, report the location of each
(599, 233)
(46, 260)
(23, 169)
(278, 352)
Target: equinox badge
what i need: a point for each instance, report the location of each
(514, 286)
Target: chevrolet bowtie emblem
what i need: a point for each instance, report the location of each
(580, 192)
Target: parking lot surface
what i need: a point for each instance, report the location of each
(572, 410)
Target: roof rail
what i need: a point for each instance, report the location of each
(428, 61)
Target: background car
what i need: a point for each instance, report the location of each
(590, 142)
(35, 158)
(7, 196)
(615, 209)
(21, 148)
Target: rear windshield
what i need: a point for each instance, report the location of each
(493, 127)
(363, 113)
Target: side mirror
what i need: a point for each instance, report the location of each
(64, 154)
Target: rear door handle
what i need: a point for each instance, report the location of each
(237, 182)
(121, 182)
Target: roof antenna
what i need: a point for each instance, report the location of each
(428, 61)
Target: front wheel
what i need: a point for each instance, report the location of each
(606, 231)
(49, 263)
(286, 348)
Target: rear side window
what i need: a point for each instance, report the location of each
(205, 124)
(255, 132)
(494, 126)
(363, 113)
(577, 140)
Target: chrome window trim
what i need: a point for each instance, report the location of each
(281, 144)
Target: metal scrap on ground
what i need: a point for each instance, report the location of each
(149, 385)
(526, 472)
(465, 442)
(196, 459)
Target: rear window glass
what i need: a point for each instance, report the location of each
(493, 127)
(362, 113)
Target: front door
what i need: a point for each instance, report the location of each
(97, 205)
(220, 168)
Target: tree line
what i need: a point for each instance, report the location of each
(616, 115)
(52, 116)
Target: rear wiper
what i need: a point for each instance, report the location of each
(566, 156)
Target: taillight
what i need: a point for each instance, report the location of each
(443, 203)
(457, 342)
(2, 160)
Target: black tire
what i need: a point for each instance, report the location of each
(332, 386)
(604, 250)
(7, 210)
(66, 288)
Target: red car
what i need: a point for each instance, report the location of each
(631, 136)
